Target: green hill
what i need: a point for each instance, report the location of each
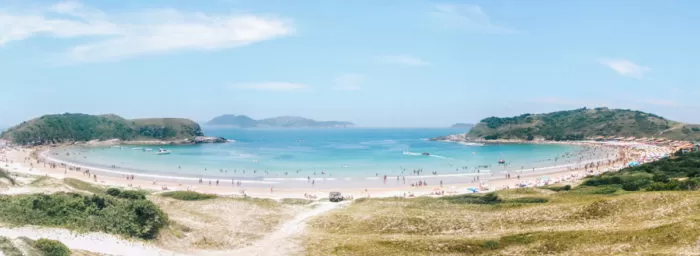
(81, 127)
(582, 124)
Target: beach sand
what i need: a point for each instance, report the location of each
(38, 161)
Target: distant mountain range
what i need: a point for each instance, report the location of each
(275, 122)
(462, 126)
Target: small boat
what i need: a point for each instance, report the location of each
(137, 148)
(426, 154)
(501, 161)
(163, 152)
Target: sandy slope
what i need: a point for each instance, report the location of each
(282, 241)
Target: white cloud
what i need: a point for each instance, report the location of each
(271, 86)
(468, 17)
(348, 82)
(625, 67)
(404, 60)
(118, 36)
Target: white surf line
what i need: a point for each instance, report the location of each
(280, 242)
(147, 175)
(93, 242)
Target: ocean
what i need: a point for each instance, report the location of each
(300, 153)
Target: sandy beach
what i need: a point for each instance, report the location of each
(616, 155)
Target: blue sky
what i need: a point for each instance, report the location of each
(377, 63)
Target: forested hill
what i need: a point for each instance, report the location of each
(582, 124)
(81, 127)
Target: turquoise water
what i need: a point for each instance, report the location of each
(337, 152)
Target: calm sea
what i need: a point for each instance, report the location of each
(293, 153)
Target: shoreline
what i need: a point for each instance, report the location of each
(277, 188)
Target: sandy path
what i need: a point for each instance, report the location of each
(93, 242)
(283, 241)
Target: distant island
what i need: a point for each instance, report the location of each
(462, 126)
(69, 127)
(275, 122)
(581, 124)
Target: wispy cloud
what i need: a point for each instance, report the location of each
(468, 17)
(404, 60)
(118, 36)
(348, 82)
(625, 67)
(271, 86)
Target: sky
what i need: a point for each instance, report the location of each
(377, 63)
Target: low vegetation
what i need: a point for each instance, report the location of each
(681, 172)
(81, 127)
(582, 124)
(84, 186)
(8, 248)
(130, 216)
(6, 175)
(188, 195)
(51, 247)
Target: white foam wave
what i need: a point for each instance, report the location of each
(470, 144)
(408, 153)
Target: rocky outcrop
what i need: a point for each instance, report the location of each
(453, 138)
(205, 139)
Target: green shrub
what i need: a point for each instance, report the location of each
(114, 191)
(51, 247)
(528, 200)
(188, 195)
(128, 217)
(558, 188)
(132, 194)
(606, 190)
(491, 245)
(126, 194)
(490, 198)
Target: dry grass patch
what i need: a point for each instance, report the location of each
(219, 223)
(524, 222)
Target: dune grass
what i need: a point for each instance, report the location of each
(188, 195)
(220, 223)
(6, 175)
(582, 221)
(8, 248)
(84, 186)
(295, 201)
